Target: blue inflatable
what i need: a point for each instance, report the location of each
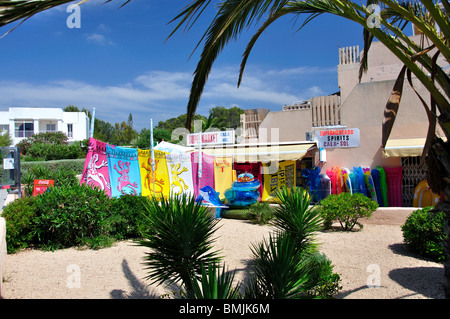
(360, 181)
(243, 191)
(210, 197)
(312, 177)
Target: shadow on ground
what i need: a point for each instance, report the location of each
(139, 291)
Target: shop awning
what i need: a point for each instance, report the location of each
(404, 147)
(262, 153)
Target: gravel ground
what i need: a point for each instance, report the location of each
(373, 256)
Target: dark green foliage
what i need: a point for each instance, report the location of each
(61, 177)
(280, 269)
(69, 215)
(127, 218)
(215, 283)
(296, 217)
(19, 216)
(181, 240)
(261, 213)
(69, 164)
(49, 152)
(347, 209)
(325, 282)
(55, 138)
(235, 213)
(424, 233)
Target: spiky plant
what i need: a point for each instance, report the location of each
(295, 216)
(180, 240)
(280, 269)
(216, 282)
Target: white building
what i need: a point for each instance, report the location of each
(22, 122)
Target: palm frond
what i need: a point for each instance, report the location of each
(232, 18)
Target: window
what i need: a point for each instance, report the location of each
(70, 130)
(4, 128)
(51, 127)
(23, 128)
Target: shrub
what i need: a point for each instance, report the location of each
(49, 138)
(61, 177)
(347, 209)
(49, 152)
(424, 233)
(261, 213)
(19, 216)
(71, 216)
(127, 218)
(73, 164)
(325, 282)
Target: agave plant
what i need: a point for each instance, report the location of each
(180, 240)
(296, 216)
(215, 283)
(280, 269)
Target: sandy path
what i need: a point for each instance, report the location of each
(117, 272)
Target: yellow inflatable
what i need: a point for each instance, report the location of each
(423, 196)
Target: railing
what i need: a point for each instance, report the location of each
(326, 110)
(349, 55)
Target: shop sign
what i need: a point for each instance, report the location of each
(208, 138)
(348, 137)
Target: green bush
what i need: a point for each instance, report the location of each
(69, 164)
(325, 282)
(71, 216)
(49, 138)
(127, 218)
(49, 152)
(261, 213)
(347, 209)
(19, 216)
(424, 233)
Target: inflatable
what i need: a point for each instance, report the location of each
(383, 186)
(208, 196)
(360, 181)
(354, 185)
(243, 191)
(325, 185)
(371, 192)
(312, 177)
(347, 180)
(332, 177)
(376, 180)
(394, 186)
(338, 179)
(424, 196)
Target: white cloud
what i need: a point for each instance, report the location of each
(98, 38)
(158, 94)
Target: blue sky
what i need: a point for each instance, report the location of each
(120, 63)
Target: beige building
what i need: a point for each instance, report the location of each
(358, 110)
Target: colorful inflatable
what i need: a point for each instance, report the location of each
(209, 197)
(325, 184)
(376, 180)
(360, 181)
(313, 182)
(383, 186)
(370, 184)
(424, 196)
(347, 185)
(394, 177)
(243, 191)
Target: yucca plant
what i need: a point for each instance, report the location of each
(215, 283)
(280, 269)
(180, 240)
(296, 216)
